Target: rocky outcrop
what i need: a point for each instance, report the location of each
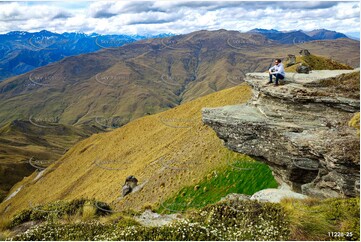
(304, 52)
(299, 129)
(130, 184)
(291, 60)
(275, 195)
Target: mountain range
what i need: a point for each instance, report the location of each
(21, 51)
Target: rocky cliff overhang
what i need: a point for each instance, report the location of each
(299, 129)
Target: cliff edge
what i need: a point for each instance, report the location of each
(300, 129)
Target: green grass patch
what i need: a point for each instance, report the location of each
(241, 175)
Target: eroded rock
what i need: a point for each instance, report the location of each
(275, 195)
(299, 129)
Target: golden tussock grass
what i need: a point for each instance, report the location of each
(165, 151)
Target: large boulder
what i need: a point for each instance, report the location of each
(303, 69)
(299, 129)
(130, 184)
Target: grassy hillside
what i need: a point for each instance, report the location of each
(181, 164)
(166, 152)
(44, 142)
(331, 49)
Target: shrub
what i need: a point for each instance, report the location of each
(89, 211)
(314, 220)
(223, 221)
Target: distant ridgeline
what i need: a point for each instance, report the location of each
(298, 36)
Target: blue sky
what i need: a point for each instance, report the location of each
(179, 17)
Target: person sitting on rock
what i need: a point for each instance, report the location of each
(278, 71)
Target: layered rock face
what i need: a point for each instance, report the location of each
(299, 129)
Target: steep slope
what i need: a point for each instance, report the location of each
(38, 142)
(165, 151)
(148, 76)
(300, 129)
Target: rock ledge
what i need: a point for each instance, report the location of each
(299, 129)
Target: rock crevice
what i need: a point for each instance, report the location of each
(299, 129)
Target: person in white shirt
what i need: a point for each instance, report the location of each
(278, 71)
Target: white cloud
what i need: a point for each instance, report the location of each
(152, 17)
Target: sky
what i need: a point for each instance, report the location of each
(178, 17)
